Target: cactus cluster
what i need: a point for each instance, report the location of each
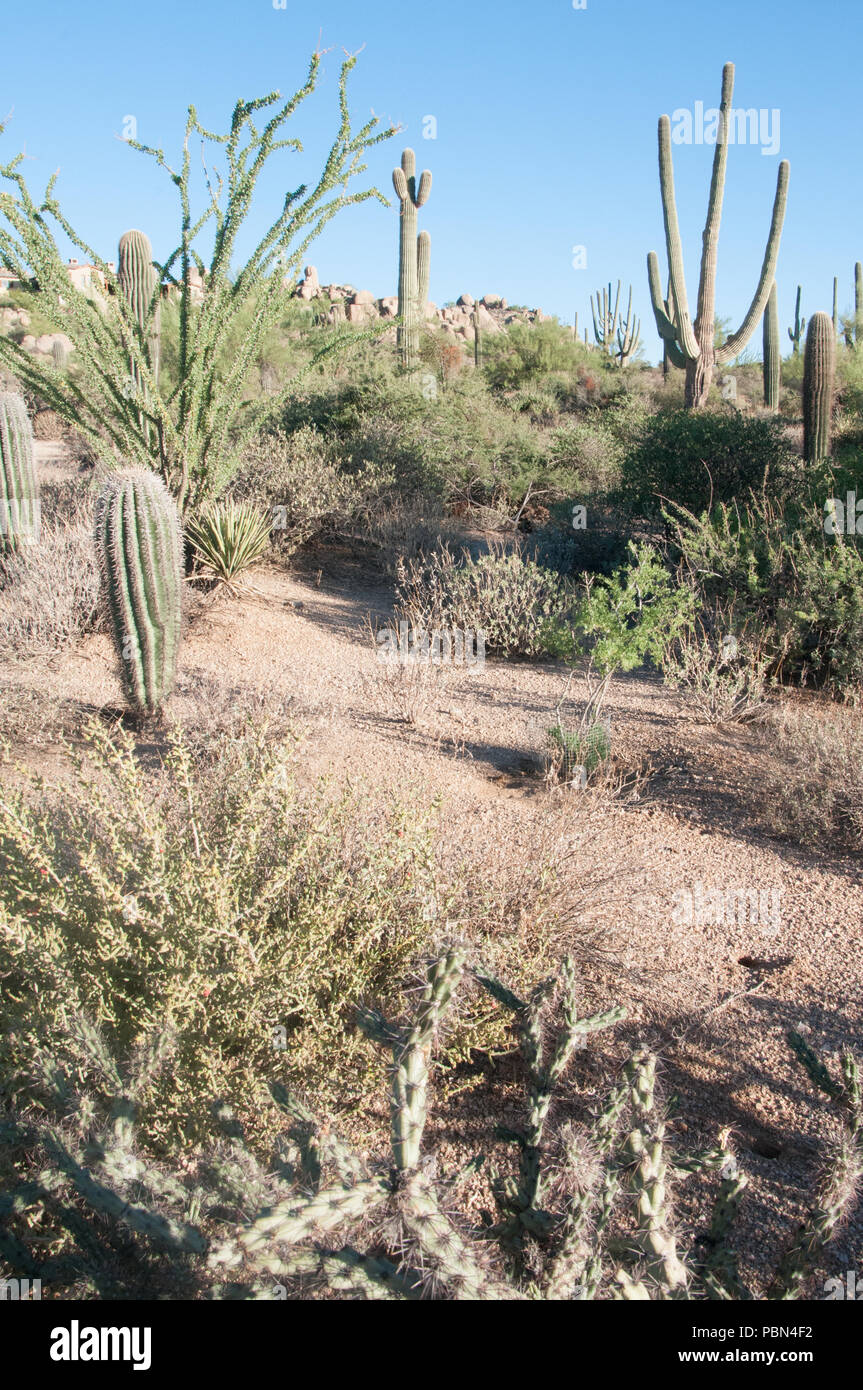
(19, 497)
(140, 550)
(583, 1211)
(819, 365)
(771, 355)
(414, 258)
(691, 345)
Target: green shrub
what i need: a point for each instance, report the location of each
(698, 458)
(798, 591)
(220, 901)
(503, 593)
(228, 538)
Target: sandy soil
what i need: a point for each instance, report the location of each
(714, 999)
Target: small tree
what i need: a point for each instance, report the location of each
(194, 433)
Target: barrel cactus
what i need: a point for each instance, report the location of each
(819, 363)
(772, 357)
(19, 499)
(414, 257)
(140, 549)
(138, 278)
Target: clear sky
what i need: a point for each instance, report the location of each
(546, 130)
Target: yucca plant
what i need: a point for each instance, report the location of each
(228, 538)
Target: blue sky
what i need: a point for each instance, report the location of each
(546, 131)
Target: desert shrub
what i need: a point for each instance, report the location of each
(583, 1205)
(218, 900)
(698, 458)
(49, 593)
(797, 589)
(721, 668)
(526, 353)
(503, 593)
(811, 787)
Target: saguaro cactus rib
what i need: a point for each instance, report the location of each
(694, 342)
(414, 257)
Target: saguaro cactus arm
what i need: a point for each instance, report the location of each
(737, 341)
(685, 332)
(663, 312)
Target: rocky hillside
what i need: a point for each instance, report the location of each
(345, 302)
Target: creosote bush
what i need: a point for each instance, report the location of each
(221, 899)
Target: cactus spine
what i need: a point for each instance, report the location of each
(799, 326)
(772, 357)
(19, 499)
(819, 363)
(140, 549)
(138, 279)
(691, 345)
(414, 257)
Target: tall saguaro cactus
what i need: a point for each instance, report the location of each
(140, 549)
(772, 357)
(799, 328)
(628, 334)
(858, 302)
(414, 257)
(691, 345)
(138, 278)
(19, 495)
(819, 365)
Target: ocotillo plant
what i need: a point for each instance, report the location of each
(819, 364)
(140, 549)
(19, 498)
(771, 356)
(605, 318)
(691, 345)
(628, 334)
(414, 256)
(138, 281)
(799, 328)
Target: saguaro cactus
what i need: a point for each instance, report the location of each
(60, 355)
(836, 305)
(772, 357)
(858, 302)
(140, 548)
(19, 498)
(138, 277)
(605, 318)
(689, 345)
(414, 257)
(797, 332)
(628, 334)
(819, 364)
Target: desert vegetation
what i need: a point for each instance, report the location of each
(422, 704)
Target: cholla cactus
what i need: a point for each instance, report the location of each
(819, 365)
(566, 1212)
(414, 257)
(691, 345)
(140, 549)
(772, 357)
(19, 489)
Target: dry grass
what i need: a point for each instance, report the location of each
(813, 789)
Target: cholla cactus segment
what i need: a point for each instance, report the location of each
(411, 1056)
(140, 549)
(648, 1178)
(19, 490)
